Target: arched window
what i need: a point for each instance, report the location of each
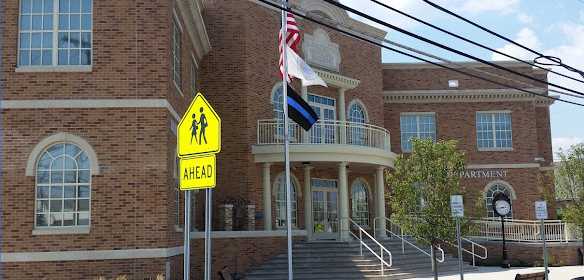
(357, 117)
(360, 203)
(281, 202)
(490, 193)
(278, 110)
(278, 102)
(63, 187)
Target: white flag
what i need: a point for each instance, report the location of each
(299, 69)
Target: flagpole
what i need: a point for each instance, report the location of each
(284, 46)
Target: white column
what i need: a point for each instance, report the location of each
(380, 203)
(304, 92)
(342, 116)
(308, 202)
(343, 201)
(266, 182)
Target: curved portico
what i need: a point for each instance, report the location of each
(349, 147)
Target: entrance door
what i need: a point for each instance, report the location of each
(325, 209)
(324, 132)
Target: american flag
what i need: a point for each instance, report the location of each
(292, 39)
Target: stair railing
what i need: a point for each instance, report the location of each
(383, 252)
(402, 237)
(472, 252)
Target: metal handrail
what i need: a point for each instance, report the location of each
(382, 250)
(524, 230)
(405, 241)
(472, 252)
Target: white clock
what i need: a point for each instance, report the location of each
(502, 207)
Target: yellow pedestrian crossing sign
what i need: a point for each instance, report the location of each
(199, 131)
(197, 173)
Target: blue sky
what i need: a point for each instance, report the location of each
(551, 27)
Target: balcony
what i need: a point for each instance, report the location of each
(326, 141)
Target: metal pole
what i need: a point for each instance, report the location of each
(208, 229)
(459, 241)
(187, 236)
(505, 263)
(545, 255)
(286, 137)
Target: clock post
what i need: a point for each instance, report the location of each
(502, 207)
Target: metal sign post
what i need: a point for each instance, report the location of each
(187, 235)
(541, 214)
(457, 210)
(198, 140)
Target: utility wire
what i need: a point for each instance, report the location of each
(556, 60)
(461, 65)
(470, 41)
(374, 42)
(421, 38)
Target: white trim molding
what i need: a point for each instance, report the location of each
(38, 150)
(89, 103)
(337, 80)
(191, 13)
(61, 230)
(247, 234)
(91, 255)
(54, 68)
(503, 166)
(465, 95)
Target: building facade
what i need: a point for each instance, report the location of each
(93, 91)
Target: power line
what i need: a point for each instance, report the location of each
(460, 65)
(470, 41)
(374, 42)
(421, 38)
(556, 60)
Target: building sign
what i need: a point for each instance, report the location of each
(541, 212)
(457, 206)
(483, 174)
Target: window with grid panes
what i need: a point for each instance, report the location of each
(63, 187)
(420, 126)
(494, 131)
(55, 32)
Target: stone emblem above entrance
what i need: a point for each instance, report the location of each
(320, 51)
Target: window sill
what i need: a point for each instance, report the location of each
(61, 68)
(60, 231)
(178, 228)
(495, 149)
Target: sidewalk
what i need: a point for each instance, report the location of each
(497, 273)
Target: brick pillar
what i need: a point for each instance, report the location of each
(226, 217)
(250, 217)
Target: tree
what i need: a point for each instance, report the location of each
(421, 185)
(570, 185)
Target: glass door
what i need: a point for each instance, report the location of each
(325, 209)
(325, 131)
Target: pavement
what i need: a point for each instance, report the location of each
(497, 273)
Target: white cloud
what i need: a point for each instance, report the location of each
(564, 144)
(524, 18)
(525, 37)
(500, 6)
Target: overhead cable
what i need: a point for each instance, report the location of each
(374, 42)
(471, 41)
(442, 46)
(555, 61)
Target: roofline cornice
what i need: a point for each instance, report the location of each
(472, 95)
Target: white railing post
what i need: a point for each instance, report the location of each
(361, 243)
(381, 262)
(403, 241)
(473, 255)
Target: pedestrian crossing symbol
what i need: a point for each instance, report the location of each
(199, 131)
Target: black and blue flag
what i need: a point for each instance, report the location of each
(299, 111)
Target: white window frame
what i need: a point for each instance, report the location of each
(54, 66)
(494, 131)
(176, 46)
(70, 229)
(418, 133)
(360, 182)
(294, 201)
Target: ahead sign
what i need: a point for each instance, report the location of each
(199, 131)
(197, 173)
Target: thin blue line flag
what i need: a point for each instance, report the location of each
(299, 111)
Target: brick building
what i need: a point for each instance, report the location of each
(93, 90)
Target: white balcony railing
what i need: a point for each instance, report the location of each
(325, 132)
(525, 231)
